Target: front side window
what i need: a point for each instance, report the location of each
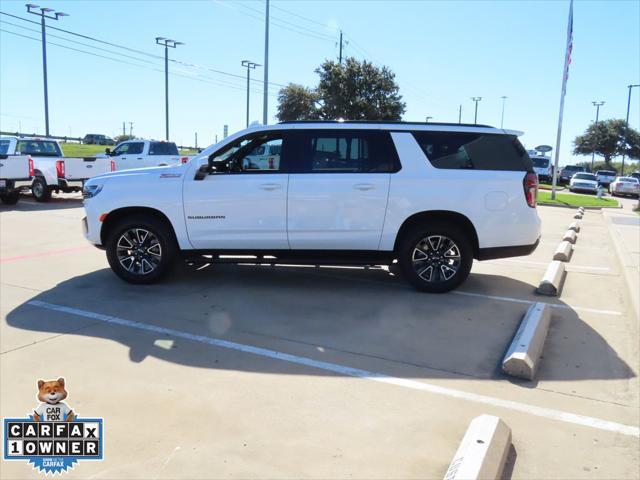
(4, 147)
(477, 151)
(41, 148)
(253, 154)
(163, 148)
(345, 151)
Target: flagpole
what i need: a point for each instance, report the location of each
(565, 76)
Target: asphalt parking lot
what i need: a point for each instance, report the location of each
(289, 372)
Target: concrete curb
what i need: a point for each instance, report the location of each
(542, 204)
(522, 357)
(570, 236)
(563, 252)
(483, 451)
(581, 210)
(575, 226)
(552, 280)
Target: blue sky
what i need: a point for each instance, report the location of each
(442, 52)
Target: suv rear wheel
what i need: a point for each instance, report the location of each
(141, 249)
(435, 257)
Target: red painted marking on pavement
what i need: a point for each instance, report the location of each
(44, 254)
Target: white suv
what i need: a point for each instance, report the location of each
(431, 196)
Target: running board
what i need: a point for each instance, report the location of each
(377, 258)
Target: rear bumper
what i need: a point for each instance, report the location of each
(505, 252)
(64, 183)
(17, 183)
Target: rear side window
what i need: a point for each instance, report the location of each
(41, 148)
(345, 151)
(4, 147)
(475, 151)
(163, 148)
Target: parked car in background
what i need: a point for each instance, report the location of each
(543, 167)
(16, 172)
(433, 197)
(635, 174)
(625, 186)
(141, 153)
(605, 177)
(53, 172)
(568, 171)
(97, 139)
(583, 182)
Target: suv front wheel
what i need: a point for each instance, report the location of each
(436, 257)
(141, 249)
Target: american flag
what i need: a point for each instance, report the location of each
(569, 49)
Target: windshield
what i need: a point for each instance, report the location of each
(4, 147)
(628, 179)
(585, 176)
(40, 148)
(540, 162)
(608, 173)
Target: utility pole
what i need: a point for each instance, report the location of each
(341, 45)
(265, 106)
(597, 105)
(250, 66)
(460, 114)
(196, 140)
(43, 15)
(166, 43)
(626, 124)
(124, 129)
(504, 99)
(131, 129)
(475, 117)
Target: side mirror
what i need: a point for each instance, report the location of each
(202, 172)
(107, 151)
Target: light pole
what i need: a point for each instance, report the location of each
(31, 8)
(626, 124)
(427, 119)
(475, 117)
(250, 66)
(265, 98)
(597, 105)
(166, 43)
(504, 99)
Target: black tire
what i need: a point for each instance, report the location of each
(148, 255)
(40, 190)
(10, 198)
(455, 254)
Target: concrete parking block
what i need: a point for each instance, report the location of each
(483, 451)
(563, 252)
(575, 226)
(578, 216)
(570, 236)
(523, 356)
(552, 279)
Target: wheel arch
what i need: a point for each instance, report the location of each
(449, 216)
(116, 215)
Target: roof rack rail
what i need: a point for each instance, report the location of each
(395, 122)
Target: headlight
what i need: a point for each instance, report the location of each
(92, 190)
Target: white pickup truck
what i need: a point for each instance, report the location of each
(139, 153)
(52, 171)
(16, 172)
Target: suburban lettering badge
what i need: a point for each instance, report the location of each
(53, 439)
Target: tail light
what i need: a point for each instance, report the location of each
(531, 189)
(60, 168)
(113, 165)
(184, 159)
(32, 171)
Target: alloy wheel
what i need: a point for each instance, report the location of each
(139, 251)
(436, 258)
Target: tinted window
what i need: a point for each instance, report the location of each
(345, 151)
(42, 148)
(4, 147)
(628, 180)
(252, 154)
(540, 162)
(585, 176)
(454, 150)
(163, 148)
(131, 148)
(608, 173)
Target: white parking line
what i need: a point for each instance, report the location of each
(553, 305)
(548, 413)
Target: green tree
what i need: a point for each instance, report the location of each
(296, 102)
(353, 90)
(608, 138)
(122, 138)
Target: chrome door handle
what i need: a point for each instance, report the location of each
(270, 186)
(364, 186)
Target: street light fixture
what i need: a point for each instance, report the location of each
(626, 124)
(42, 13)
(250, 66)
(475, 117)
(597, 105)
(166, 43)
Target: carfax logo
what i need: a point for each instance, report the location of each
(53, 439)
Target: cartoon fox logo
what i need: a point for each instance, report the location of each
(52, 408)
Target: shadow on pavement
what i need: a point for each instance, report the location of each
(328, 314)
(28, 204)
